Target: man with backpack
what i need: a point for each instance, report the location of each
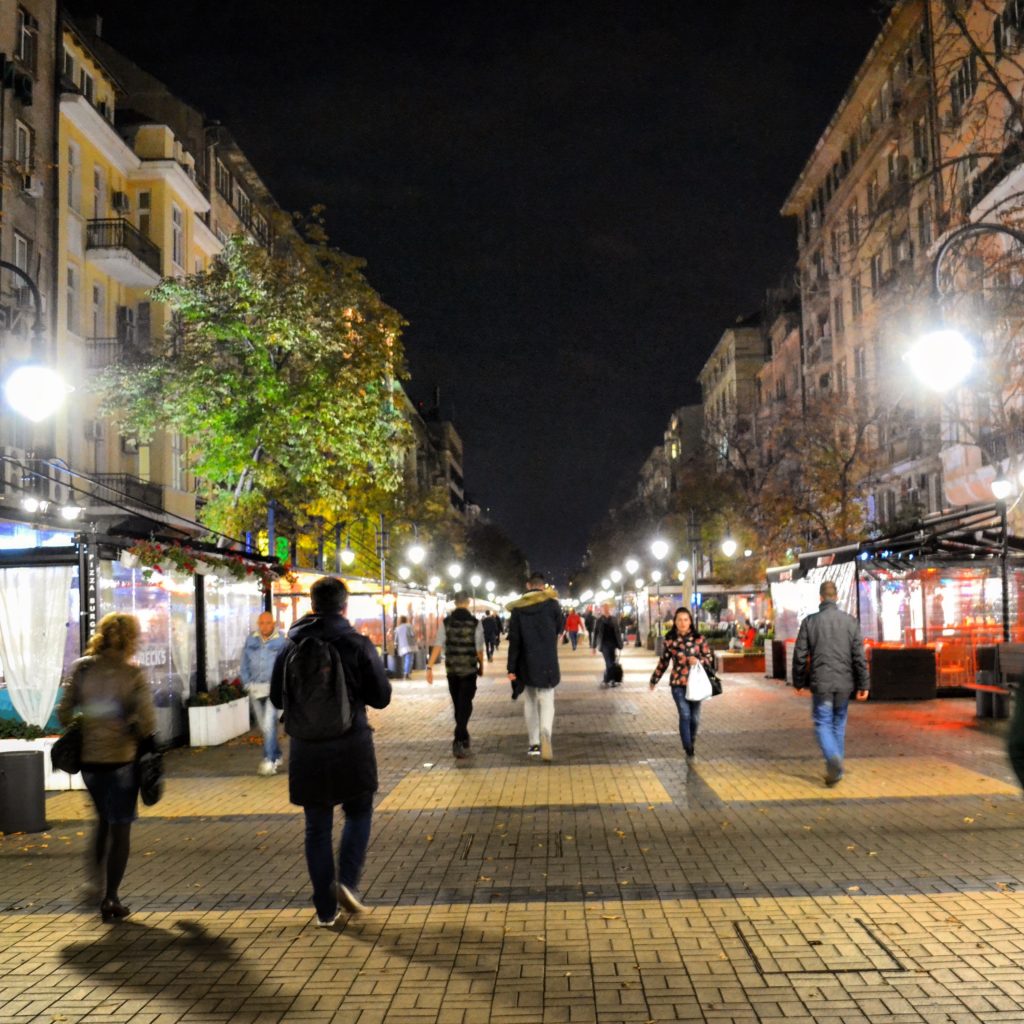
(461, 637)
(323, 680)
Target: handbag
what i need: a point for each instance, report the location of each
(698, 684)
(716, 683)
(66, 753)
(151, 778)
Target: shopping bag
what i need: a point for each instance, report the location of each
(66, 753)
(698, 685)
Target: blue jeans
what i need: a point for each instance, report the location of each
(689, 716)
(355, 838)
(609, 661)
(573, 637)
(829, 714)
(266, 716)
(407, 660)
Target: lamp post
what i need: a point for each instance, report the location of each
(34, 390)
(474, 581)
(942, 359)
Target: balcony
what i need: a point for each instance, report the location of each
(115, 246)
(103, 352)
(125, 489)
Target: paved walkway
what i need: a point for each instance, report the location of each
(618, 884)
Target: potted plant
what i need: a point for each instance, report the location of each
(218, 715)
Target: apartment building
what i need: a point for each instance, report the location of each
(779, 382)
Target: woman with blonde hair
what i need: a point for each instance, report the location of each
(116, 707)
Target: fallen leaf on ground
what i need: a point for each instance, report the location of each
(853, 888)
(610, 917)
(968, 820)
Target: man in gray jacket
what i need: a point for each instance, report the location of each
(829, 656)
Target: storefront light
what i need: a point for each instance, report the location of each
(33, 505)
(70, 512)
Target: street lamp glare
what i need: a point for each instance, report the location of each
(941, 359)
(1002, 489)
(631, 565)
(455, 570)
(605, 583)
(729, 547)
(35, 391)
(404, 572)
(416, 553)
(434, 582)
(489, 586)
(639, 583)
(475, 580)
(682, 565)
(348, 556)
(615, 575)
(656, 575)
(659, 548)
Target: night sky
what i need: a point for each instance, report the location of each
(568, 202)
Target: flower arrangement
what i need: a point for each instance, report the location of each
(153, 557)
(227, 690)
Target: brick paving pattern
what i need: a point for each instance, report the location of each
(619, 884)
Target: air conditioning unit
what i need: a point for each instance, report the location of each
(32, 185)
(120, 202)
(95, 430)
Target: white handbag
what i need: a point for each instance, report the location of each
(698, 685)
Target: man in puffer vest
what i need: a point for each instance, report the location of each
(461, 637)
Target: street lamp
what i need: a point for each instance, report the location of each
(659, 548)
(455, 570)
(35, 390)
(729, 547)
(416, 552)
(434, 582)
(404, 572)
(631, 565)
(474, 581)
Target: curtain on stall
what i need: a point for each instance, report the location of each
(33, 631)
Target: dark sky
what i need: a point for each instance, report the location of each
(568, 202)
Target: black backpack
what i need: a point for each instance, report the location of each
(317, 704)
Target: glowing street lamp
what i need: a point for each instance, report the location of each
(729, 547)
(615, 575)
(455, 570)
(404, 572)
(606, 583)
(416, 552)
(434, 582)
(681, 566)
(1002, 489)
(659, 548)
(489, 587)
(631, 565)
(348, 556)
(941, 360)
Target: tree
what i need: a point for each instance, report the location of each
(491, 553)
(279, 368)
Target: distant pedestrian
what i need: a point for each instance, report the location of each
(258, 656)
(461, 637)
(341, 768)
(492, 634)
(533, 633)
(405, 646)
(589, 618)
(829, 657)
(608, 641)
(573, 625)
(684, 647)
(118, 725)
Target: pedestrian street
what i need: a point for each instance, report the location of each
(619, 883)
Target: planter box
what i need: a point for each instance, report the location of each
(51, 780)
(207, 727)
(726, 661)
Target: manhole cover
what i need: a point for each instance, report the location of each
(815, 946)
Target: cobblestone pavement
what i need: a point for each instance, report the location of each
(619, 883)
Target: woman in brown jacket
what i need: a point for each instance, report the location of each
(684, 647)
(116, 706)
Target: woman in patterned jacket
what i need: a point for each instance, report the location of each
(684, 647)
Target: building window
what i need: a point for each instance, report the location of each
(853, 226)
(69, 65)
(963, 84)
(924, 226)
(840, 377)
(72, 300)
(921, 145)
(177, 461)
(24, 158)
(74, 178)
(99, 312)
(856, 299)
(99, 192)
(876, 273)
(177, 236)
(859, 364)
(26, 41)
(86, 85)
(144, 213)
(836, 251)
(873, 194)
(838, 324)
(22, 249)
(223, 180)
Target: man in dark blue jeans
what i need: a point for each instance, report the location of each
(829, 657)
(341, 770)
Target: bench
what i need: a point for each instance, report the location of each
(1000, 667)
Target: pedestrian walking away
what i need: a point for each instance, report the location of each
(608, 641)
(405, 646)
(333, 761)
(258, 656)
(684, 647)
(118, 723)
(829, 657)
(492, 634)
(573, 625)
(589, 618)
(533, 631)
(461, 637)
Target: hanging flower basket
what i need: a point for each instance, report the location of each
(179, 562)
(129, 560)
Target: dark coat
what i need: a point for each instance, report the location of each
(533, 633)
(607, 635)
(328, 772)
(829, 653)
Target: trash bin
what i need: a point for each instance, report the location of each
(22, 791)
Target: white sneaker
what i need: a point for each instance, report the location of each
(546, 754)
(267, 768)
(328, 924)
(349, 901)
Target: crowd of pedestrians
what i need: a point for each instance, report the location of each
(319, 679)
